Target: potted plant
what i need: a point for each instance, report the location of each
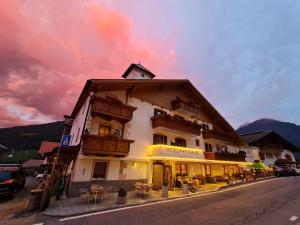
(122, 196)
(185, 187)
(165, 189)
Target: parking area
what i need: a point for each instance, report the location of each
(16, 207)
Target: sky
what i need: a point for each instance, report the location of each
(242, 55)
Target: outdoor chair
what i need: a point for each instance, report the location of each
(147, 190)
(138, 188)
(107, 188)
(85, 195)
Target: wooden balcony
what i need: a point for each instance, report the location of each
(182, 106)
(112, 108)
(225, 156)
(105, 145)
(177, 124)
(214, 134)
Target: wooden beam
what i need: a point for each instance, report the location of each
(160, 87)
(131, 90)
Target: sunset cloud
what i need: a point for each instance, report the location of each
(50, 48)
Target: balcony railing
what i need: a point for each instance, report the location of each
(186, 107)
(225, 156)
(105, 145)
(112, 108)
(214, 134)
(174, 123)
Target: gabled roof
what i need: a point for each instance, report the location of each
(47, 147)
(32, 163)
(254, 138)
(140, 67)
(2, 147)
(94, 85)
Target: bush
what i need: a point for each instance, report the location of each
(165, 183)
(122, 192)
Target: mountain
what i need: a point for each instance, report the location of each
(289, 131)
(30, 137)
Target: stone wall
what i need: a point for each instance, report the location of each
(128, 185)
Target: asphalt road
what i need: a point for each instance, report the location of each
(273, 202)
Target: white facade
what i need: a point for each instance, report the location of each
(253, 152)
(139, 129)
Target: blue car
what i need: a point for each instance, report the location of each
(12, 179)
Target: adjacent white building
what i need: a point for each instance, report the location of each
(269, 147)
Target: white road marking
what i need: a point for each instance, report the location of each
(164, 201)
(38, 224)
(293, 218)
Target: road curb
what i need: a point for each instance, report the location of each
(247, 182)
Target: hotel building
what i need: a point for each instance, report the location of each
(139, 128)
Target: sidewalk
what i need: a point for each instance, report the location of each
(75, 206)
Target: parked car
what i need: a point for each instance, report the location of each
(12, 179)
(298, 170)
(280, 171)
(285, 170)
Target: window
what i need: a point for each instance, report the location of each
(104, 130)
(197, 142)
(262, 156)
(208, 147)
(181, 169)
(269, 155)
(100, 170)
(205, 127)
(288, 157)
(158, 112)
(221, 148)
(160, 139)
(179, 142)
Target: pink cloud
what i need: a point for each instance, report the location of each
(49, 49)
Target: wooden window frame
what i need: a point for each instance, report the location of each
(157, 139)
(210, 147)
(181, 142)
(106, 170)
(106, 126)
(180, 169)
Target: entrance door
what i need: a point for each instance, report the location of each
(207, 170)
(167, 175)
(157, 177)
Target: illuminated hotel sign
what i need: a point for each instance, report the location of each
(177, 152)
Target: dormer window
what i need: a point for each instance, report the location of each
(138, 71)
(205, 127)
(158, 112)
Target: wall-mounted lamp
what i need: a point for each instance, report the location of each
(134, 164)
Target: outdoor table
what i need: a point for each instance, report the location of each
(95, 191)
(142, 187)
